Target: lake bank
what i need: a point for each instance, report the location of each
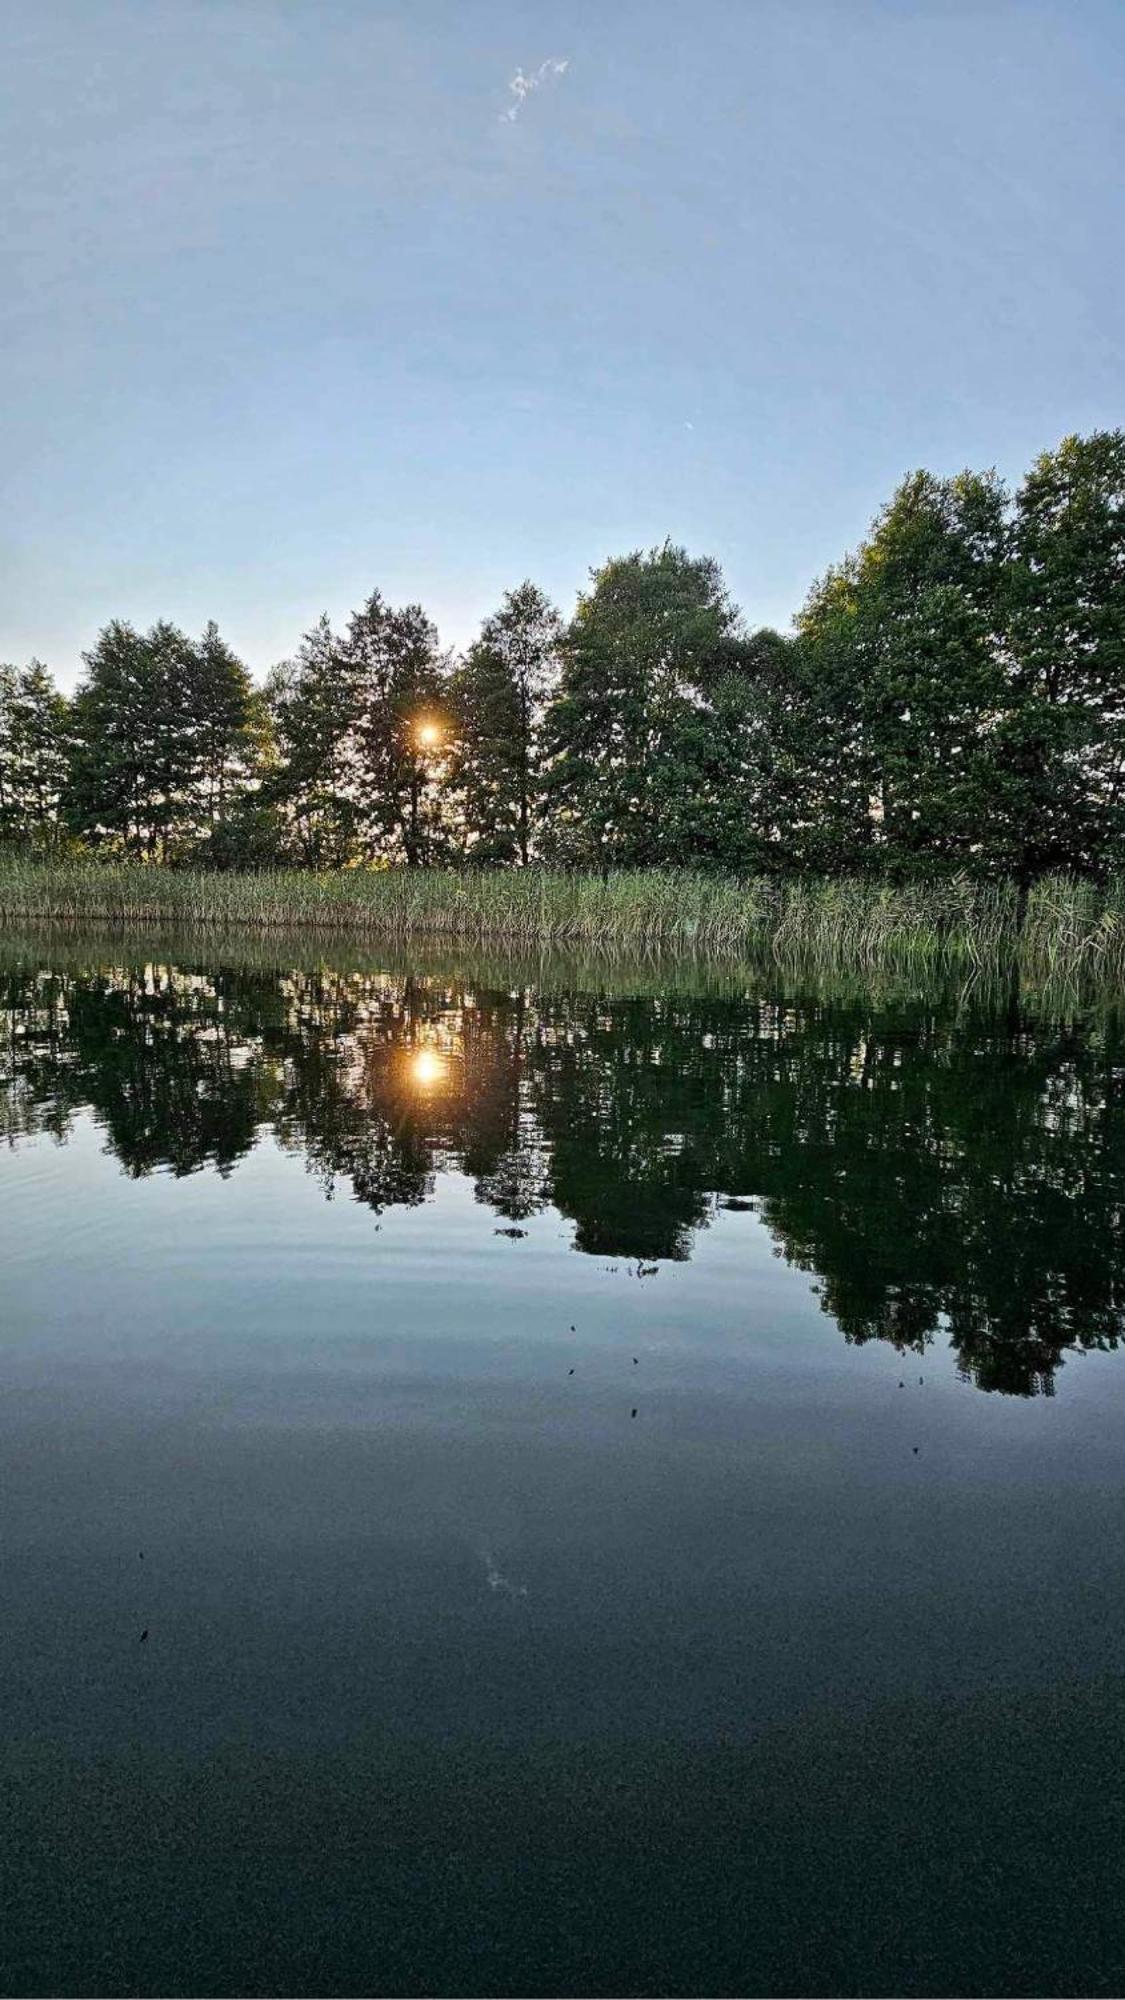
(1068, 928)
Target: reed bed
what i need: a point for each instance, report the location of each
(631, 910)
(1068, 929)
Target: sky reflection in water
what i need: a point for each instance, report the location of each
(329, 1292)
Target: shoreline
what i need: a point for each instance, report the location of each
(1069, 929)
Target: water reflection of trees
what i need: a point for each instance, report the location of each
(938, 1172)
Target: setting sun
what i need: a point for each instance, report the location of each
(428, 733)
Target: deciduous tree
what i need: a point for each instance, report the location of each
(498, 697)
(623, 731)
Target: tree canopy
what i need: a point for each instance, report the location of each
(951, 697)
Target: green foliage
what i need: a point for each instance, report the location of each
(164, 733)
(313, 703)
(391, 658)
(231, 724)
(1060, 798)
(951, 701)
(624, 734)
(753, 753)
(906, 680)
(34, 721)
(253, 835)
(1066, 930)
(355, 775)
(134, 756)
(498, 698)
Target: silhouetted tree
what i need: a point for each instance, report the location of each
(392, 659)
(1059, 800)
(498, 697)
(230, 722)
(623, 731)
(313, 702)
(163, 736)
(952, 698)
(903, 667)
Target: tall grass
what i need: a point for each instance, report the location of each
(1069, 929)
(634, 910)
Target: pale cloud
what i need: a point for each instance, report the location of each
(521, 86)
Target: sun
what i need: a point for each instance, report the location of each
(428, 733)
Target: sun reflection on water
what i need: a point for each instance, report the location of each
(426, 1068)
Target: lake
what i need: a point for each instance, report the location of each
(556, 1478)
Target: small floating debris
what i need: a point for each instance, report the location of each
(632, 1413)
(509, 1232)
(143, 1637)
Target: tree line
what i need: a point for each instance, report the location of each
(951, 696)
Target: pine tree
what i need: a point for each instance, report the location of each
(110, 795)
(33, 755)
(135, 775)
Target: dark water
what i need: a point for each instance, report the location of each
(622, 1477)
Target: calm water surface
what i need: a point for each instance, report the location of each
(623, 1478)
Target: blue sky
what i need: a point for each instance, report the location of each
(291, 309)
